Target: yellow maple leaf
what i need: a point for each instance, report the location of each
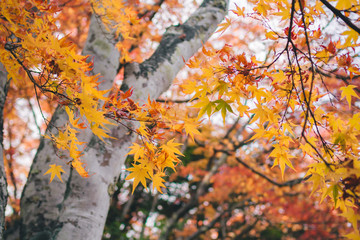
(158, 181)
(171, 148)
(164, 161)
(191, 128)
(283, 11)
(188, 87)
(62, 140)
(287, 127)
(261, 113)
(205, 106)
(194, 63)
(78, 166)
(348, 92)
(352, 37)
(137, 150)
(74, 122)
(282, 158)
(223, 26)
(355, 121)
(139, 173)
(262, 8)
(351, 216)
(100, 132)
(239, 11)
(353, 235)
(271, 35)
(242, 109)
(55, 170)
(317, 181)
(345, 4)
(307, 148)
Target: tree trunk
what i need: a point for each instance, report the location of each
(4, 86)
(77, 208)
(3, 193)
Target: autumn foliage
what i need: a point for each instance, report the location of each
(258, 137)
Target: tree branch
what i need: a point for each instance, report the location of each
(343, 78)
(43, 206)
(62, 210)
(290, 183)
(340, 15)
(179, 43)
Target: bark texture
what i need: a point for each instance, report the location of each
(4, 85)
(43, 204)
(77, 208)
(3, 193)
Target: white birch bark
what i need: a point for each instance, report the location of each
(77, 208)
(3, 193)
(4, 84)
(42, 203)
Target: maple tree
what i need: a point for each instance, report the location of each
(256, 138)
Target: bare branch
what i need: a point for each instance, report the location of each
(340, 15)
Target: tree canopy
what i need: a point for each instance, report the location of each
(251, 134)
